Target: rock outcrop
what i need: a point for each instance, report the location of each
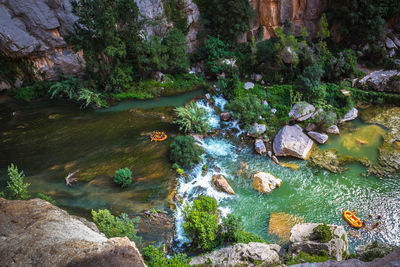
(273, 13)
(221, 184)
(291, 141)
(265, 182)
(36, 233)
(382, 81)
(393, 259)
(251, 254)
(301, 239)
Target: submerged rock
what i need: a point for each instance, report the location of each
(221, 184)
(265, 182)
(281, 224)
(291, 141)
(350, 115)
(333, 130)
(301, 111)
(260, 147)
(301, 239)
(36, 233)
(319, 137)
(251, 254)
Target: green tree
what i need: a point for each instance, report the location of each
(123, 177)
(113, 226)
(323, 30)
(16, 188)
(108, 33)
(192, 119)
(184, 151)
(175, 46)
(309, 84)
(155, 257)
(201, 222)
(247, 109)
(226, 19)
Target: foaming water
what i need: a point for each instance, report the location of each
(313, 194)
(213, 118)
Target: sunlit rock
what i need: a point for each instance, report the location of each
(265, 182)
(301, 111)
(221, 184)
(318, 137)
(291, 141)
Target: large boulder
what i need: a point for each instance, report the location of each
(265, 182)
(318, 137)
(251, 254)
(221, 184)
(383, 81)
(301, 111)
(301, 239)
(260, 147)
(291, 141)
(36, 233)
(350, 115)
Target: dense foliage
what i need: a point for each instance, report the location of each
(322, 233)
(16, 188)
(226, 19)
(113, 226)
(184, 151)
(175, 12)
(123, 177)
(192, 119)
(155, 257)
(232, 230)
(304, 257)
(201, 222)
(47, 198)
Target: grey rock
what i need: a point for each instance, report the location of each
(333, 130)
(301, 111)
(310, 127)
(382, 81)
(248, 85)
(257, 130)
(390, 44)
(350, 115)
(260, 147)
(265, 182)
(301, 239)
(289, 56)
(36, 233)
(318, 137)
(193, 14)
(241, 255)
(396, 41)
(158, 75)
(256, 77)
(225, 116)
(275, 160)
(378, 248)
(392, 53)
(291, 141)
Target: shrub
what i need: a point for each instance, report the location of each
(304, 257)
(201, 222)
(309, 85)
(322, 233)
(233, 17)
(175, 45)
(123, 177)
(16, 188)
(185, 152)
(47, 198)
(232, 230)
(113, 226)
(192, 119)
(213, 52)
(155, 257)
(247, 109)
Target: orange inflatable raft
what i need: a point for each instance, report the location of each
(158, 136)
(352, 219)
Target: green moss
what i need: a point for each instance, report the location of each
(322, 233)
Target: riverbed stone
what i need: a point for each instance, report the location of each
(265, 182)
(318, 137)
(257, 130)
(259, 146)
(333, 129)
(291, 141)
(225, 116)
(36, 233)
(350, 115)
(221, 184)
(301, 239)
(301, 111)
(252, 254)
(248, 85)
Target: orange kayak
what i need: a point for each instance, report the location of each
(352, 219)
(158, 136)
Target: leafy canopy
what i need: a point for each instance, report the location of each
(155, 257)
(192, 119)
(123, 177)
(184, 151)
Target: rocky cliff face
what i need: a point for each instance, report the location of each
(36, 233)
(273, 13)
